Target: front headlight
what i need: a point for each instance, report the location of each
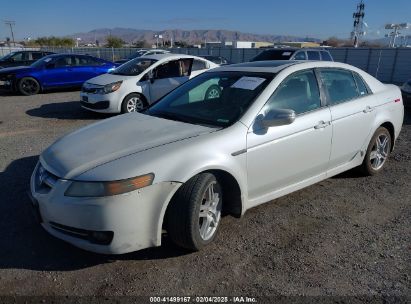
(110, 88)
(99, 189)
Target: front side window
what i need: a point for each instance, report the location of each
(313, 55)
(339, 84)
(298, 92)
(171, 69)
(19, 57)
(217, 99)
(63, 62)
(198, 65)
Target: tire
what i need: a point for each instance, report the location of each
(133, 102)
(213, 92)
(192, 218)
(378, 151)
(28, 86)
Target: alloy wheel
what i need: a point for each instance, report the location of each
(210, 212)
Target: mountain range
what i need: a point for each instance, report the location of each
(130, 35)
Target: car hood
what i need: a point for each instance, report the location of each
(15, 69)
(112, 139)
(109, 78)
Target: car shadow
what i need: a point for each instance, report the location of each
(24, 243)
(65, 110)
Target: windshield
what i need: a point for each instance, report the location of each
(137, 54)
(7, 56)
(41, 62)
(215, 98)
(133, 67)
(274, 55)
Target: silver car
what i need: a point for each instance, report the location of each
(271, 128)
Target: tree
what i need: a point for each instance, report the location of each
(54, 41)
(140, 44)
(114, 42)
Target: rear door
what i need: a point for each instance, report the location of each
(352, 112)
(168, 76)
(84, 68)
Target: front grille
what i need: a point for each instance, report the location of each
(95, 237)
(101, 105)
(44, 180)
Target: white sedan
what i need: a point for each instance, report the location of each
(137, 83)
(276, 127)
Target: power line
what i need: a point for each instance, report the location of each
(358, 23)
(11, 24)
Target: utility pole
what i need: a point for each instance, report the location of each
(11, 24)
(395, 27)
(358, 23)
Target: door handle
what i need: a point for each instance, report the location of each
(321, 125)
(368, 109)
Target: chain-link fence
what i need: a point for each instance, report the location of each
(391, 65)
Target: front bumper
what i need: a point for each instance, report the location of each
(134, 219)
(102, 103)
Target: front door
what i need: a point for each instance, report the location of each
(283, 156)
(168, 76)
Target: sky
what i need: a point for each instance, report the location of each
(304, 18)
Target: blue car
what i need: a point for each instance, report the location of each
(53, 71)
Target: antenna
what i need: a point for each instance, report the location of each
(11, 24)
(358, 30)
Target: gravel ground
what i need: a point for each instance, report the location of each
(346, 236)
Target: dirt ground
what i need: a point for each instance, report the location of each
(346, 236)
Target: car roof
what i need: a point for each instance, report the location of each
(170, 56)
(275, 66)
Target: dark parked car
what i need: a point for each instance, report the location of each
(294, 54)
(53, 71)
(406, 93)
(217, 59)
(142, 52)
(21, 58)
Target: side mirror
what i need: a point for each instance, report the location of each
(277, 117)
(150, 76)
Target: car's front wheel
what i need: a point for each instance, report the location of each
(133, 102)
(28, 86)
(194, 214)
(377, 152)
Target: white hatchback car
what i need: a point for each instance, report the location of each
(276, 127)
(139, 82)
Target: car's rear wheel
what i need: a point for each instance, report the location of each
(28, 86)
(213, 92)
(133, 103)
(194, 214)
(377, 152)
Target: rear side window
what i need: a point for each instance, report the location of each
(198, 65)
(325, 56)
(313, 55)
(300, 56)
(339, 84)
(36, 55)
(362, 88)
(298, 92)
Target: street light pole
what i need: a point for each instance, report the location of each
(11, 23)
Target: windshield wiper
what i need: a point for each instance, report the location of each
(171, 116)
